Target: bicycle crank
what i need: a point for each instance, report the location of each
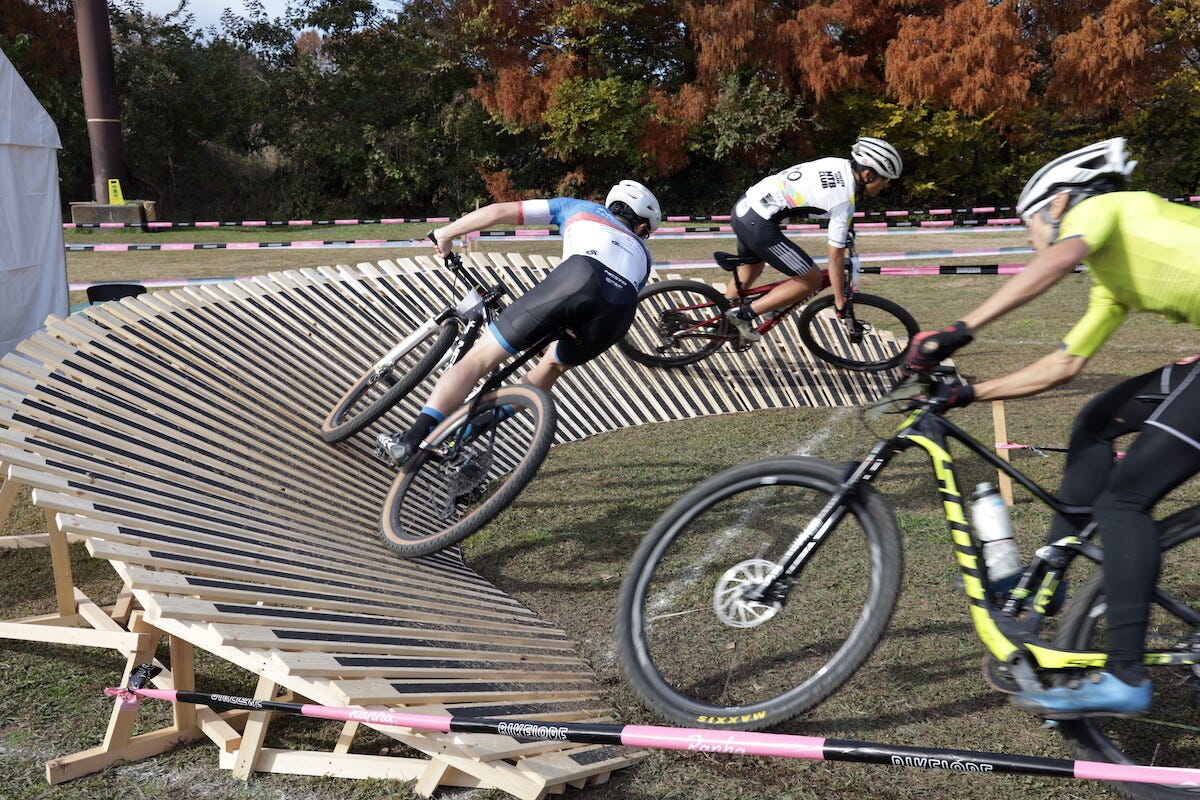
(733, 596)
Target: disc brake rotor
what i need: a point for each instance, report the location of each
(730, 596)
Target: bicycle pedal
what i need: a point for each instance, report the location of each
(998, 675)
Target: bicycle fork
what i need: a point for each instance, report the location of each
(774, 587)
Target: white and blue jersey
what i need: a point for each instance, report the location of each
(591, 295)
(589, 229)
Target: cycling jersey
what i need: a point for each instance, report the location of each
(1142, 256)
(822, 189)
(591, 230)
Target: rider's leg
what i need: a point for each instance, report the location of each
(448, 393)
(789, 292)
(747, 274)
(547, 371)
(1165, 454)
(1091, 456)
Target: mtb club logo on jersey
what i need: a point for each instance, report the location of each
(831, 180)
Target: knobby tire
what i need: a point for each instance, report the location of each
(692, 668)
(659, 312)
(828, 340)
(445, 494)
(1169, 735)
(373, 394)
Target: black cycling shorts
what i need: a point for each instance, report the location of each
(593, 304)
(763, 240)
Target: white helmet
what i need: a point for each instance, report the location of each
(879, 156)
(1097, 168)
(637, 197)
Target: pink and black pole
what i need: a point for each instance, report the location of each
(705, 740)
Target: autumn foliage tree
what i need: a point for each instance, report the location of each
(428, 106)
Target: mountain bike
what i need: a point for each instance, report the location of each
(762, 591)
(442, 340)
(680, 322)
(472, 465)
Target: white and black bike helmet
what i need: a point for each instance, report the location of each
(640, 200)
(879, 156)
(1095, 169)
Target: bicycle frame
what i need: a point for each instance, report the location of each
(705, 326)
(1011, 640)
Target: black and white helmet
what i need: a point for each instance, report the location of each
(879, 156)
(640, 199)
(1095, 169)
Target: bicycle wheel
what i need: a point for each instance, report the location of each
(1169, 735)
(677, 322)
(450, 490)
(699, 655)
(376, 392)
(878, 345)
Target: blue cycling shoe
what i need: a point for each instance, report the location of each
(1101, 695)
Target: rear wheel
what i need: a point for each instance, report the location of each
(881, 333)
(677, 322)
(700, 651)
(377, 391)
(1169, 735)
(472, 469)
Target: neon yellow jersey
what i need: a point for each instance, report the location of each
(1144, 255)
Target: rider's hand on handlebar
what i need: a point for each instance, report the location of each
(929, 348)
(944, 395)
(444, 245)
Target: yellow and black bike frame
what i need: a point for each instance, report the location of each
(1011, 640)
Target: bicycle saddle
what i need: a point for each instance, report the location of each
(730, 261)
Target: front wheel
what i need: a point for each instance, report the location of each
(700, 650)
(677, 322)
(475, 464)
(880, 331)
(377, 390)
(1169, 735)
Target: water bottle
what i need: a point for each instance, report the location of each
(994, 528)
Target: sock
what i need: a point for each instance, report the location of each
(426, 421)
(1132, 673)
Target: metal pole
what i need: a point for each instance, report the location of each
(100, 95)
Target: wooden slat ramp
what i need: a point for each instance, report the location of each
(175, 434)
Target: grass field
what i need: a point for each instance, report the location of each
(566, 561)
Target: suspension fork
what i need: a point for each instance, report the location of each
(826, 520)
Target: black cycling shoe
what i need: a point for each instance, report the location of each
(393, 450)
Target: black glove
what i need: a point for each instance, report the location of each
(952, 395)
(927, 349)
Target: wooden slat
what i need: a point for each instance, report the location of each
(175, 433)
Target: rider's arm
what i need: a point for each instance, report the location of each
(477, 220)
(837, 267)
(1048, 371)
(1044, 270)
(1103, 316)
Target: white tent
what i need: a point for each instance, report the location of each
(33, 264)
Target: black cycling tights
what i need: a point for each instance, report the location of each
(1123, 492)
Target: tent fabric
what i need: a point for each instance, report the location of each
(33, 265)
(24, 121)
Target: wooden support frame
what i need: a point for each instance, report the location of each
(233, 529)
(1000, 426)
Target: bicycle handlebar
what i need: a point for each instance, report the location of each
(916, 392)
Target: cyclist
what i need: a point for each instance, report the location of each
(592, 293)
(824, 189)
(1141, 251)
